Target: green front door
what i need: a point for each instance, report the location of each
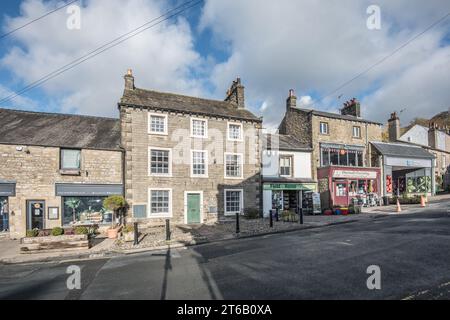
(193, 208)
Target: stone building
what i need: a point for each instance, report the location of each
(189, 159)
(434, 139)
(286, 175)
(56, 169)
(341, 157)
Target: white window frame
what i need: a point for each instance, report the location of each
(225, 165)
(192, 128)
(358, 128)
(291, 157)
(161, 215)
(235, 124)
(150, 162)
(205, 152)
(161, 115)
(327, 126)
(228, 213)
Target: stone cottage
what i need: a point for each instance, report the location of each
(189, 159)
(56, 169)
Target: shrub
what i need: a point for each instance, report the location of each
(57, 231)
(81, 230)
(32, 233)
(128, 228)
(251, 213)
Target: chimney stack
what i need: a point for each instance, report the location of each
(432, 135)
(236, 95)
(129, 80)
(352, 108)
(394, 127)
(291, 101)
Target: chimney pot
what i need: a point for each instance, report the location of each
(129, 80)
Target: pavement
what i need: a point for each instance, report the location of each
(10, 254)
(331, 262)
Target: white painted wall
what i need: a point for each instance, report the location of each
(301, 165)
(417, 134)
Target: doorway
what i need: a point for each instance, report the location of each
(193, 207)
(35, 214)
(4, 221)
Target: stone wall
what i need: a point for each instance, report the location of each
(36, 170)
(136, 140)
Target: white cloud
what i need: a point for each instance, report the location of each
(315, 46)
(162, 57)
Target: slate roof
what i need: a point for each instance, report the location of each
(58, 130)
(180, 103)
(336, 116)
(286, 142)
(402, 150)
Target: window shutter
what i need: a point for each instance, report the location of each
(140, 211)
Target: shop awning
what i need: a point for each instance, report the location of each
(88, 190)
(7, 188)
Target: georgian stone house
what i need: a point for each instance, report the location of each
(56, 169)
(189, 159)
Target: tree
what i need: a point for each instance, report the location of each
(73, 203)
(114, 203)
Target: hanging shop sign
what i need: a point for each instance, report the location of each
(290, 186)
(353, 174)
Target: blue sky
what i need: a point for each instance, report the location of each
(309, 46)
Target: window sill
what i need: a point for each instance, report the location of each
(158, 133)
(70, 172)
(234, 178)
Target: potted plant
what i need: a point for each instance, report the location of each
(128, 233)
(115, 204)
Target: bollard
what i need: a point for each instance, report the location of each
(301, 215)
(136, 234)
(238, 230)
(277, 216)
(271, 218)
(167, 230)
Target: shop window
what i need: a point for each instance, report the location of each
(360, 159)
(325, 156)
(334, 157)
(343, 160)
(352, 159)
(70, 159)
(341, 189)
(233, 201)
(85, 210)
(4, 221)
(286, 166)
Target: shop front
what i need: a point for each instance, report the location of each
(83, 204)
(7, 189)
(407, 170)
(289, 196)
(342, 186)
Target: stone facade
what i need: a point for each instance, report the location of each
(305, 126)
(136, 140)
(35, 170)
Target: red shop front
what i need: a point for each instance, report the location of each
(341, 186)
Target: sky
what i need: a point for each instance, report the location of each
(310, 46)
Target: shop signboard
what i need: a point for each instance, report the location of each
(355, 174)
(408, 162)
(290, 186)
(316, 203)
